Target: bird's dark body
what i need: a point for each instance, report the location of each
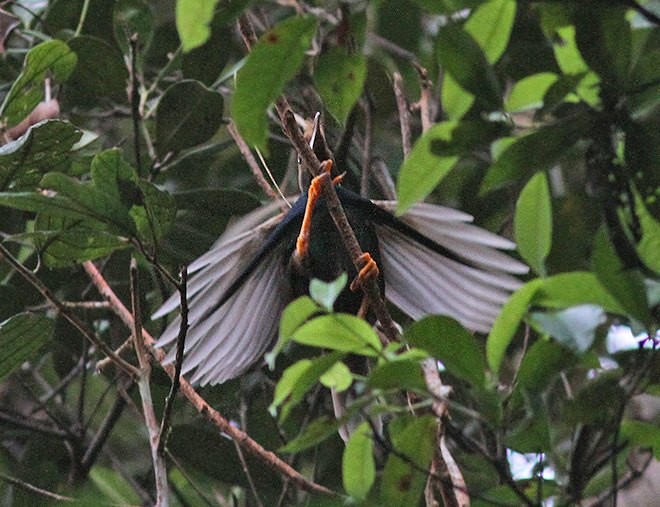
(327, 257)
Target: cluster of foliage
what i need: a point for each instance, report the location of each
(546, 127)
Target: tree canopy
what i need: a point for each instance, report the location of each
(134, 132)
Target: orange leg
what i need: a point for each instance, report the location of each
(313, 194)
(368, 271)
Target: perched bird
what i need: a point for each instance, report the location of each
(431, 260)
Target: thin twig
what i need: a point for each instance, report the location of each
(426, 104)
(366, 148)
(66, 312)
(134, 97)
(178, 362)
(199, 403)
(158, 459)
(404, 114)
(253, 165)
(21, 422)
(453, 488)
(101, 436)
(14, 481)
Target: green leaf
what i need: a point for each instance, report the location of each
(642, 434)
(575, 327)
(100, 74)
(543, 362)
(533, 222)
(528, 93)
(298, 379)
(341, 332)
(462, 58)
(62, 242)
(571, 63)
(115, 198)
(598, 403)
(531, 435)
(45, 147)
(576, 288)
(490, 25)
(338, 377)
(626, 286)
(414, 438)
(155, 214)
(604, 40)
(188, 114)
(422, 170)
(318, 430)
(325, 294)
(21, 336)
(205, 63)
(273, 61)
(294, 315)
(538, 151)
(53, 58)
(649, 246)
(340, 79)
(358, 464)
(193, 18)
(447, 341)
(400, 374)
(113, 486)
(507, 323)
(131, 17)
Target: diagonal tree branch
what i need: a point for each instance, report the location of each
(200, 404)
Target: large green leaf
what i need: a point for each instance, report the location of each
(626, 286)
(115, 197)
(490, 25)
(533, 222)
(507, 322)
(298, 379)
(340, 79)
(446, 340)
(318, 430)
(543, 362)
(400, 374)
(604, 40)
(188, 114)
(358, 464)
(571, 63)
(193, 18)
(45, 147)
(529, 92)
(273, 61)
(422, 170)
(341, 332)
(53, 58)
(576, 288)
(436, 153)
(642, 434)
(534, 152)
(463, 59)
(63, 241)
(129, 18)
(403, 480)
(100, 75)
(21, 336)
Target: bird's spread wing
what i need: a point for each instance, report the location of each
(445, 265)
(235, 298)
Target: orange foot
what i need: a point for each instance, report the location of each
(313, 194)
(369, 271)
